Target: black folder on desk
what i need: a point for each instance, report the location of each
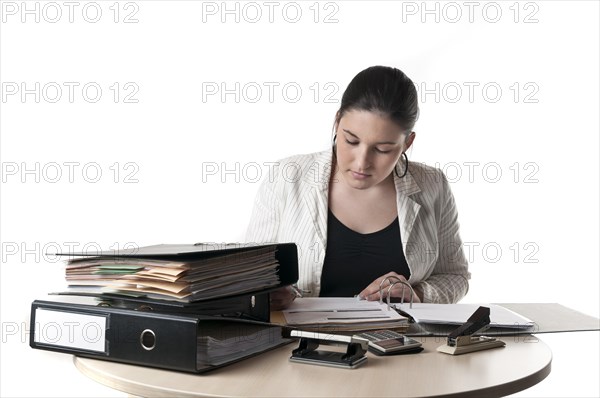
(183, 342)
(202, 271)
(245, 306)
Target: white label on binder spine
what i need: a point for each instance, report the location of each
(70, 329)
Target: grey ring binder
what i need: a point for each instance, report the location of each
(404, 284)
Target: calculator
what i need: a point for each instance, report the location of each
(389, 342)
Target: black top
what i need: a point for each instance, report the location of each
(354, 260)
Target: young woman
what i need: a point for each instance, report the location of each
(361, 212)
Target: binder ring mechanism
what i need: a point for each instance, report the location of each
(389, 291)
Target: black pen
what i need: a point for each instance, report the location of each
(410, 318)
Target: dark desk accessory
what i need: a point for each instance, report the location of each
(462, 341)
(390, 342)
(415, 350)
(307, 352)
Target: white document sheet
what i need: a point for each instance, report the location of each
(346, 310)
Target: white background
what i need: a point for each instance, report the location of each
(523, 161)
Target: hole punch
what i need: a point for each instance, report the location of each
(355, 355)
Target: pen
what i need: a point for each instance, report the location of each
(355, 317)
(296, 291)
(406, 314)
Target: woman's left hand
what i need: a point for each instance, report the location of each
(371, 292)
(281, 298)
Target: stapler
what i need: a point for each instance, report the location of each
(462, 341)
(307, 352)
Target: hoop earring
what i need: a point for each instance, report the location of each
(405, 166)
(333, 145)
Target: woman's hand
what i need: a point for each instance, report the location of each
(282, 298)
(371, 292)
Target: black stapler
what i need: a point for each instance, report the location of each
(462, 341)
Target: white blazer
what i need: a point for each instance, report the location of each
(292, 206)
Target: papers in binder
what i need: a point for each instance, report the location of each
(347, 313)
(457, 314)
(215, 274)
(222, 342)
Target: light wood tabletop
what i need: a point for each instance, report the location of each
(523, 362)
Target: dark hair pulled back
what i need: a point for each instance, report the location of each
(384, 90)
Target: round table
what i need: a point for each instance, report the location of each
(523, 362)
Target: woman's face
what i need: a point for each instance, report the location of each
(368, 148)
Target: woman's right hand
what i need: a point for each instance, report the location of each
(282, 298)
